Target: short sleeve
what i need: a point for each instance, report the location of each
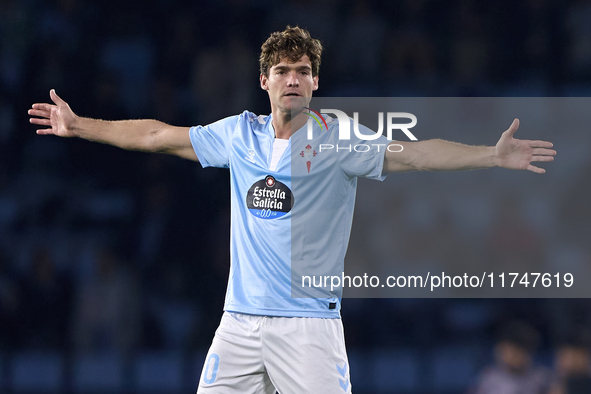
(364, 158)
(212, 143)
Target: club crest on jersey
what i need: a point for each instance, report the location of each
(308, 154)
(269, 199)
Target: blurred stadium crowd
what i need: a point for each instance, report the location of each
(123, 253)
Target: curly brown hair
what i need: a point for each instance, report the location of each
(293, 43)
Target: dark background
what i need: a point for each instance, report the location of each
(113, 264)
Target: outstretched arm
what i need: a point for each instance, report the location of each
(440, 155)
(144, 135)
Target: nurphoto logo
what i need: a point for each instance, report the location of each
(345, 129)
(345, 124)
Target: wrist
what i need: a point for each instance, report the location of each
(76, 126)
(493, 157)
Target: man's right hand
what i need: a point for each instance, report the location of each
(146, 135)
(59, 117)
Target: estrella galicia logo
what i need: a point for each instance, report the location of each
(269, 199)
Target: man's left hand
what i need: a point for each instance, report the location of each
(518, 154)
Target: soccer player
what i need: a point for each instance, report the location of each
(268, 340)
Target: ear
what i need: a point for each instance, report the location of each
(264, 82)
(315, 83)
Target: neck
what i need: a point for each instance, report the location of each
(285, 125)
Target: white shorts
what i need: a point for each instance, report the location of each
(292, 355)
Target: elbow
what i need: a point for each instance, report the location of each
(417, 159)
(418, 163)
(397, 165)
(153, 141)
(410, 158)
(424, 156)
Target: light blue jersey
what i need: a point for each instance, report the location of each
(290, 222)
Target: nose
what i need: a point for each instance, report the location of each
(292, 79)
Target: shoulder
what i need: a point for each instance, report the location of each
(244, 120)
(253, 120)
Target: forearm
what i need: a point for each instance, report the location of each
(439, 155)
(144, 135)
(138, 135)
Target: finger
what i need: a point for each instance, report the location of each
(513, 128)
(40, 121)
(45, 131)
(539, 144)
(535, 169)
(43, 106)
(55, 98)
(542, 158)
(544, 152)
(40, 113)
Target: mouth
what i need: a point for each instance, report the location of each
(292, 94)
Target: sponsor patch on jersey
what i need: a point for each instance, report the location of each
(269, 199)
